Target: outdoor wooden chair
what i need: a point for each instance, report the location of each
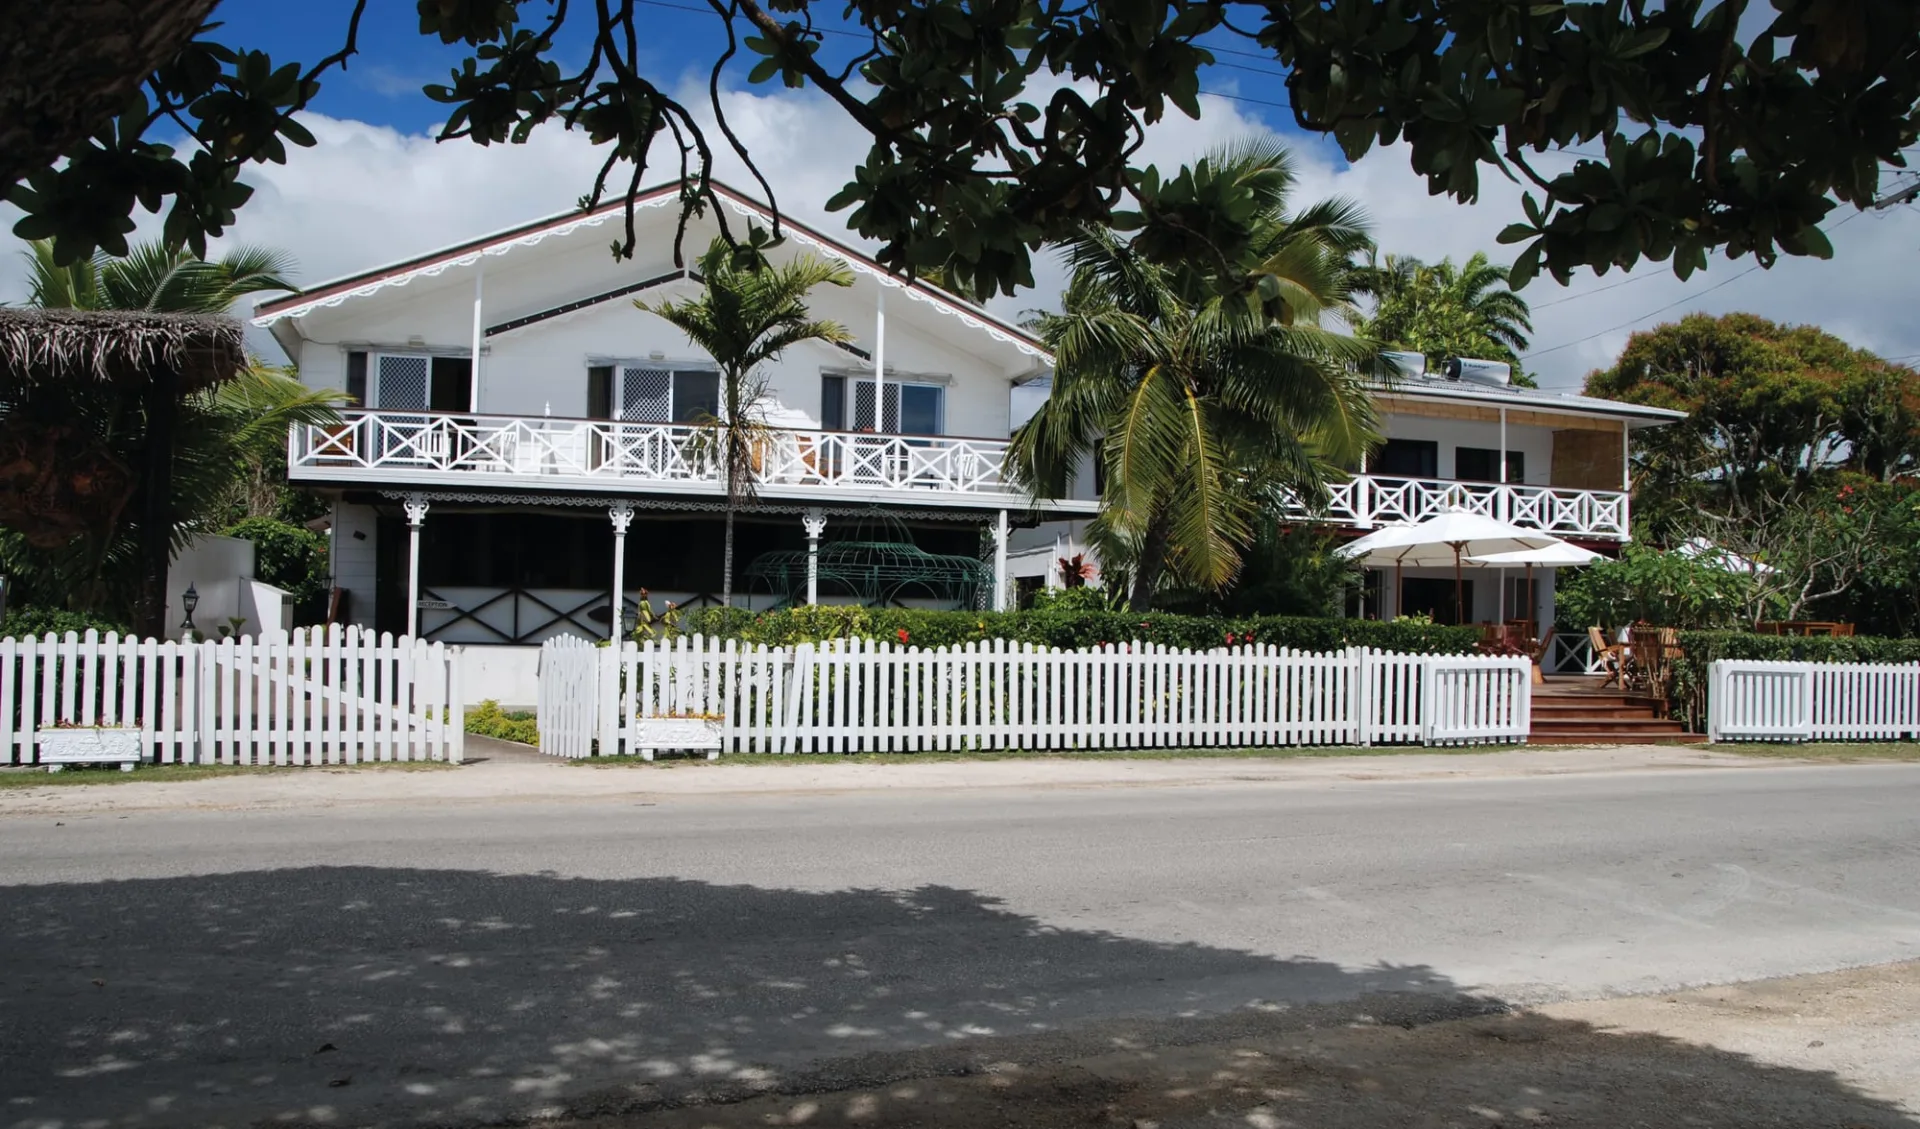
(1612, 658)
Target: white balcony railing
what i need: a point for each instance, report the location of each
(434, 449)
(1367, 500)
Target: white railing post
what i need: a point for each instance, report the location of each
(1428, 706)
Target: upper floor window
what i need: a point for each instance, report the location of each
(910, 408)
(1414, 458)
(415, 381)
(653, 393)
(1482, 464)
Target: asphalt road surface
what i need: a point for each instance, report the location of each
(464, 963)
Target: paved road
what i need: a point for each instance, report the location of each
(450, 964)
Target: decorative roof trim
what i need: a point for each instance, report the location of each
(330, 295)
(432, 266)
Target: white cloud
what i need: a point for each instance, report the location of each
(367, 195)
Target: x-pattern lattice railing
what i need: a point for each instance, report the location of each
(623, 451)
(1371, 500)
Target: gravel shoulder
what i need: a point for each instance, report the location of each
(1838, 1050)
(502, 772)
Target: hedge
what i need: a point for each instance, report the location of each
(1072, 629)
(1701, 648)
(38, 622)
(488, 720)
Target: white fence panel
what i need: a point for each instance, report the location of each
(312, 697)
(1752, 700)
(568, 709)
(1476, 699)
(856, 695)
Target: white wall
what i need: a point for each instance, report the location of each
(543, 367)
(508, 675)
(219, 570)
(353, 558)
(1537, 442)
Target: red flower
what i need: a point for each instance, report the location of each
(1229, 638)
(902, 633)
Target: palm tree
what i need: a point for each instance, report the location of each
(1203, 405)
(219, 441)
(1442, 311)
(154, 277)
(749, 312)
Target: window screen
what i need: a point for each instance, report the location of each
(402, 382)
(911, 409)
(646, 395)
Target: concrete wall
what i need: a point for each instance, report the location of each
(353, 549)
(508, 675)
(219, 569)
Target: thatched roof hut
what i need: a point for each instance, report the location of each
(123, 347)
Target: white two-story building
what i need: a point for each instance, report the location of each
(516, 417)
(521, 435)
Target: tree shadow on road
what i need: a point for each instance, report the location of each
(396, 996)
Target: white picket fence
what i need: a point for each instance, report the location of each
(1754, 700)
(315, 696)
(863, 696)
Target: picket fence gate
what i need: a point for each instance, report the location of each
(1761, 700)
(315, 696)
(857, 695)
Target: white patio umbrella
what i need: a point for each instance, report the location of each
(1560, 554)
(1447, 538)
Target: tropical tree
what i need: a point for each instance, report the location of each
(224, 440)
(1442, 311)
(151, 277)
(749, 312)
(1202, 397)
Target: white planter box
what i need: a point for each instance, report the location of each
(650, 733)
(62, 747)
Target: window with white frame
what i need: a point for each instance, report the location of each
(653, 392)
(410, 381)
(911, 407)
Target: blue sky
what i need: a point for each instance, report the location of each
(382, 83)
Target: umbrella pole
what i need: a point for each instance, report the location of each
(1399, 591)
(1459, 589)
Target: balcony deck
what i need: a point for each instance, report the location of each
(421, 450)
(1367, 501)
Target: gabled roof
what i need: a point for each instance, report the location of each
(365, 283)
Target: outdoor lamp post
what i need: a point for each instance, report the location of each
(190, 599)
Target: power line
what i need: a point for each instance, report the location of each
(1596, 290)
(1532, 353)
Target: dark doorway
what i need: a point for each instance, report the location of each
(1434, 597)
(452, 386)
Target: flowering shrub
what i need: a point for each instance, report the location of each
(1073, 629)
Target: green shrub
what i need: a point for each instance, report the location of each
(38, 622)
(488, 720)
(1704, 647)
(289, 557)
(1071, 629)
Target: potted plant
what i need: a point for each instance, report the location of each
(66, 743)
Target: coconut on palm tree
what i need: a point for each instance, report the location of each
(749, 312)
(1204, 393)
(1442, 310)
(198, 448)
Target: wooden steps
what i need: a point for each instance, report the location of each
(1580, 713)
